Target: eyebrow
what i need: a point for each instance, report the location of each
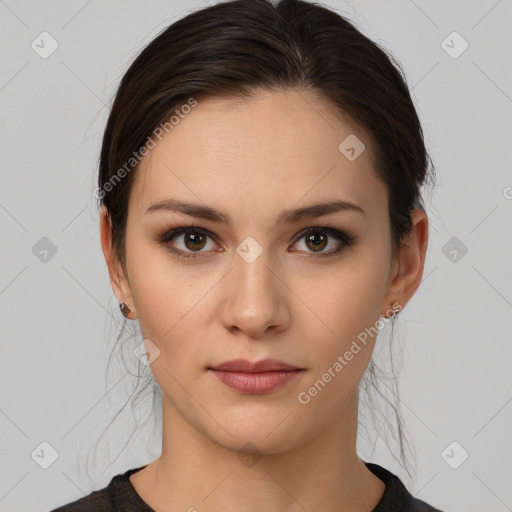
(289, 216)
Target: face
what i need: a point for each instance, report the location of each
(258, 282)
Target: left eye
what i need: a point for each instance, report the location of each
(316, 240)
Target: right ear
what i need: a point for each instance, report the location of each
(118, 278)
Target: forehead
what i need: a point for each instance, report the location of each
(270, 148)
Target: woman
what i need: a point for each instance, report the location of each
(261, 214)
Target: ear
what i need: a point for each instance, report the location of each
(407, 269)
(118, 276)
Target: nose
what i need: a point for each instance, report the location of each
(256, 298)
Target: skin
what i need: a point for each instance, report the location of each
(251, 159)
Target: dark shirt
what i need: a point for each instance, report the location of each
(121, 495)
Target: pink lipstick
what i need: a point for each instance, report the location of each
(255, 378)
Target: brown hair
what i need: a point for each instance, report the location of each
(236, 47)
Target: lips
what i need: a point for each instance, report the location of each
(265, 365)
(255, 377)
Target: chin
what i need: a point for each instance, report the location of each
(263, 433)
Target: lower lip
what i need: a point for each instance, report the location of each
(255, 382)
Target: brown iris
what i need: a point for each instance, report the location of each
(318, 240)
(193, 240)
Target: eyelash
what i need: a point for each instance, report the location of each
(167, 236)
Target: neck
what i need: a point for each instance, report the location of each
(322, 473)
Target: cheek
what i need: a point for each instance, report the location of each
(344, 344)
(176, 309)
(345, 300)
(342, 322)
(166, 292)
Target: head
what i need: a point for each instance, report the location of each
(288, 146)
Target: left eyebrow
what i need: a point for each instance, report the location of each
(319, 210)
(288, 216)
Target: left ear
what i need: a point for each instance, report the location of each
(408, 267)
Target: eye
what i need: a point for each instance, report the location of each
(316, 239)
(189, 240)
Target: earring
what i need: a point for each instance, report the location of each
(394, 314)
(125, 310)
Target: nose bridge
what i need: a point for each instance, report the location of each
(255, 299)
(252, 273)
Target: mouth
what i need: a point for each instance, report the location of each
(255, 377)
(265, 365)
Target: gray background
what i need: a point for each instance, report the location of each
(60, 318)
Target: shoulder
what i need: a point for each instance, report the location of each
(396, 497)
(117, 495)
(96, 501)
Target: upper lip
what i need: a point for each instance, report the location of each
(265, 365)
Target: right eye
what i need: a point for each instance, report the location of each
(191, 239)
